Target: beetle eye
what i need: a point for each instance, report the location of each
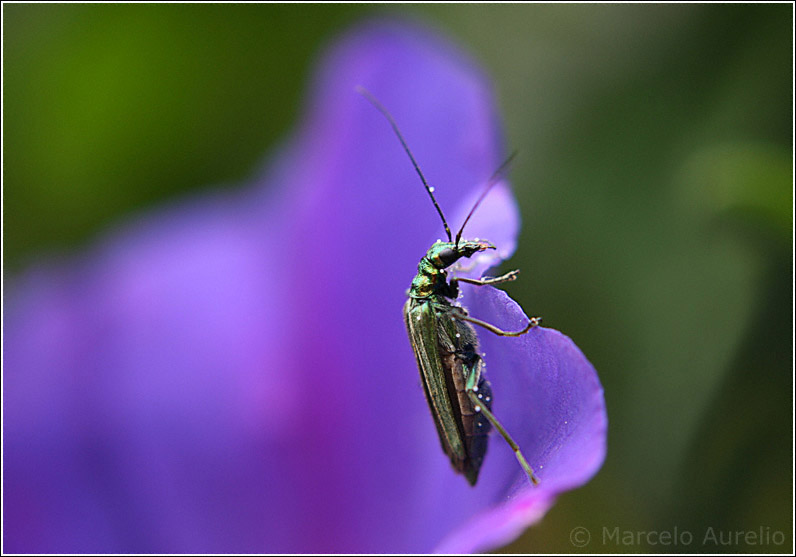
(448, 257)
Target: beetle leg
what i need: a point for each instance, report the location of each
(470, 388)
(508, 277)
(459, 314)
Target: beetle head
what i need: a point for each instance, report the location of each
(444, 254)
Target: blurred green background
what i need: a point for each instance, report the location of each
(654, 178)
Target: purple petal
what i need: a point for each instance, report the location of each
(549, 398)
(135, 392)
(233, 374)
(497, 220)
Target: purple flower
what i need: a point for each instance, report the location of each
(232, 374)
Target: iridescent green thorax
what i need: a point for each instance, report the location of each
(431, 279)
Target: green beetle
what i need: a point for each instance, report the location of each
(446, 345)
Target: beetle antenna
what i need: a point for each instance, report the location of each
(496, 177)
(365, 93)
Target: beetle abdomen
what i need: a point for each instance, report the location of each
(461, 360)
